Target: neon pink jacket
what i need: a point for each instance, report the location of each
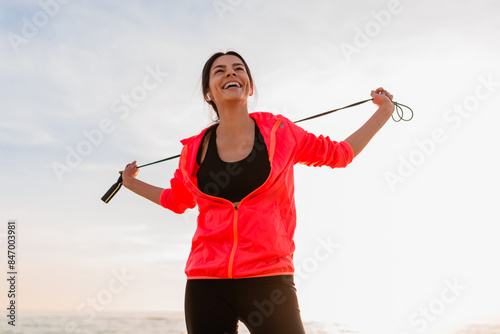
(254, 238)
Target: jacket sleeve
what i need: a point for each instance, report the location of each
(177, 198)
(312, 150)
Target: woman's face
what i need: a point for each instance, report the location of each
(229, 80)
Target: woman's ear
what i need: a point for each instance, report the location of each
(251, 91)
(208, 97)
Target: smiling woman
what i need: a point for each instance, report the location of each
(216, 66)
(239, 172)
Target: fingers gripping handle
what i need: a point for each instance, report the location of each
(113, 190)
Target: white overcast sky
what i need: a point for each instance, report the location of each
(414, 213)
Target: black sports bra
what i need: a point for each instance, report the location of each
(233, 180)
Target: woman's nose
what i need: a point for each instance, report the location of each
(230, 72)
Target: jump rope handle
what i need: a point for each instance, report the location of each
(113, 190)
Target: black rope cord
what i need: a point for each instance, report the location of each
(398, 111)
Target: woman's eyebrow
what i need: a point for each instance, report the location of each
(218, 66)
(224, 66)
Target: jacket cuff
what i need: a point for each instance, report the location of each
(163, 197)
(349, 152)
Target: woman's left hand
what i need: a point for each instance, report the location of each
(381, 96)
(359, 139)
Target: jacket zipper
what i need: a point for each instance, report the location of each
(235, 243)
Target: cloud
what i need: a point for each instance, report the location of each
(66, 79)
(24, 134)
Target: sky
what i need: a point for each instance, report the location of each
(404, 240)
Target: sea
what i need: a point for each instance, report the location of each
(122, 323)
(159, 323)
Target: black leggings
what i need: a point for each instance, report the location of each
(264, 304)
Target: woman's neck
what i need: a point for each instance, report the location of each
(234, 121)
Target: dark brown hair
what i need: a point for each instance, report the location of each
(205, 75)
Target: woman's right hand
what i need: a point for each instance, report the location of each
(143, 189)
(130, 172)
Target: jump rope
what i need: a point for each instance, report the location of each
(399, 117)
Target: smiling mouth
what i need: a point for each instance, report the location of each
(232, 84)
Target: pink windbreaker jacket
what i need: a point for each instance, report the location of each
(254, 238)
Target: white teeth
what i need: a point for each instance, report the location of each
(232, 83)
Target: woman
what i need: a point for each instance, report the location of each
(240, 174)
